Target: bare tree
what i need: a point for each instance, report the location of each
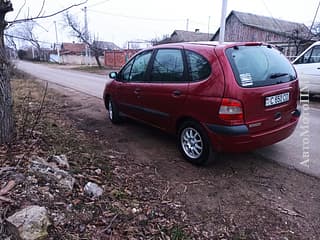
(298, 38)
(159, 40)
(315, 29)
(83, 35)
(25, 31)
(6, 103)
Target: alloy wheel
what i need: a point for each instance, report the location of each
(191, 142)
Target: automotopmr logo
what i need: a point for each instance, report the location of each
(305, 126)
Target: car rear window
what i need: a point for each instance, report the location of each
(256, 66)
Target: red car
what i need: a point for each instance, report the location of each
(215, 97)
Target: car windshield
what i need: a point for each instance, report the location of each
(255, 66)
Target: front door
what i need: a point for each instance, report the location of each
(308, 69)
(130, 85)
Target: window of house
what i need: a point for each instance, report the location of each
(199, 68)
(168, 66)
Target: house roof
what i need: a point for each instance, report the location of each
(269, 24)
(72, 48)
(187, 36)
(106, 45)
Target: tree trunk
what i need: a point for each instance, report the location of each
(6, 105)
(97, 60)
(6, 102)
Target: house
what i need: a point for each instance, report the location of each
(106, 45)
(73, 49)
(186, 36)
(102, 46)
(290, 37)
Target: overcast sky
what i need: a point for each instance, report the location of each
(124, 20)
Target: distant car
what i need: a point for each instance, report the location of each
(307, 66)
(215, 97)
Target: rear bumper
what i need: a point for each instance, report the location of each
(239, 139)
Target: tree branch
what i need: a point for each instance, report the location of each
(20, 9)
(21, 38)
(41, 9)
(49, 15)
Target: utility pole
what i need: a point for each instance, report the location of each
(187, 27)
(223, 20)
(86, 33)
(57, 41)
(209, 25)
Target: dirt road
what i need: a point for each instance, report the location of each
(300, 151)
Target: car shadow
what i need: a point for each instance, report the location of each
(167, 158)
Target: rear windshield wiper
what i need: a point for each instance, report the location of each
(277, 75)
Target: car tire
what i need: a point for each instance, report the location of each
(194, 143)
(113, 112)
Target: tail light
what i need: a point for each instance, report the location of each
(231, 111)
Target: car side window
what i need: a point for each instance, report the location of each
(139, 66)
(199, 68)
(125, 73)
(315, 55)
(168, 66)
(305, 57)
(136, 67)
(311, 56)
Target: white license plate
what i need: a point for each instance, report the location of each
(277, 99)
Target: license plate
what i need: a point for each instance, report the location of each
(277, 99)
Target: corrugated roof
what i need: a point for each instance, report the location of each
(187, 36)
(269, 23)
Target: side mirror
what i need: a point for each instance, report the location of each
(113, 75)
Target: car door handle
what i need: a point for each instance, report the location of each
(318, 68)
(137, 91)
(176, 93)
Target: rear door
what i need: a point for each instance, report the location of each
(166, 85)
(265, 84)
(308, 69)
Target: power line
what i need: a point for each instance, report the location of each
(99, 3)
(314, 18)
(136, 17)
(149, 19)
(273, 19)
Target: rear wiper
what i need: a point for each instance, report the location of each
(277, 75)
